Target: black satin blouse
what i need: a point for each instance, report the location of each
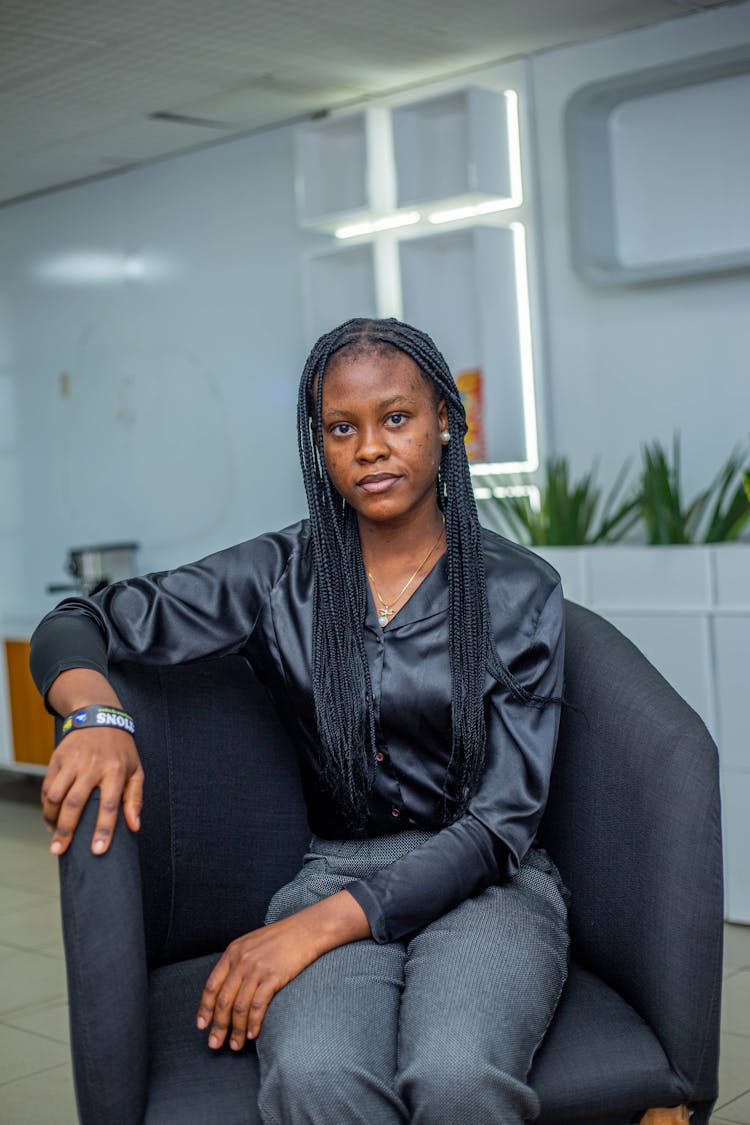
(257, 599)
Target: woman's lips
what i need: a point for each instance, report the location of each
(378, 483)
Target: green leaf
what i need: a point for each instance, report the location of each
(715, 515)
(570, 513)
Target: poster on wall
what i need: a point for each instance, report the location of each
(469, 385)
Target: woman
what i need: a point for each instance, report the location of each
(410, 970)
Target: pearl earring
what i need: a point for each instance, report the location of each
(445, 437)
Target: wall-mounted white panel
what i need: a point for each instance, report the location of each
(460, 287)
(732, 562)
(339, 285)
(732, 648)
(736, 823)
(658, 161)
(680, 179)
(645, 577)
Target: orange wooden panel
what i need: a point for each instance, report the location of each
(33, 728)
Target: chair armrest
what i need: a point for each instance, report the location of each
(634, 824)
(105, 958)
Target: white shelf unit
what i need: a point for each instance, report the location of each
(454, 148)
(461, 286)
(340, 284)
(332, 169)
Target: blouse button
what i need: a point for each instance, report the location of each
(395, 812)
(380, 756)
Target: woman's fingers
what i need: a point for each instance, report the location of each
(86, 760)
(236, 996)
(210, 993)
(132, 800)
(264, 994)
(54, 788)
(241, 1009)
(110, 793)
(217, 1002)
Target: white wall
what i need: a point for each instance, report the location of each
(155, 394)
(628, 364)
(183, 357)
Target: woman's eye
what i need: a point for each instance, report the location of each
(341, 428)
(396, 419)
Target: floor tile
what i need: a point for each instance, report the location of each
(22, 1053)
(13, 850)
(734, 1068)
(30, 978)
(13, 899)
(48, 1020)
(735, 1011)
(738, 1111)
(20, 810)
(8, 950)
(38, 873)
(736, 946)
(41, 1099)
(33, 928)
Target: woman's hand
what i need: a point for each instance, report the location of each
(84, 760)
(255, 967)
(87, 759)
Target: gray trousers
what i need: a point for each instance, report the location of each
(437, 1029)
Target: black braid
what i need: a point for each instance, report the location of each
(341, 676)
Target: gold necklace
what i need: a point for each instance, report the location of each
(387, 609)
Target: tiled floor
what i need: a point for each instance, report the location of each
(35, 1079)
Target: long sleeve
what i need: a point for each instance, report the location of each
(208, 608)
(488, 844)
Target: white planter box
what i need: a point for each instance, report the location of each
(688, 610)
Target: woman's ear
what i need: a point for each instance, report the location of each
(442, 413)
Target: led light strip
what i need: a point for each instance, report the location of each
(526, 361)
(390, 222)
(484, 492)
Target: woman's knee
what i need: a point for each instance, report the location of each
(321, 1090)
(442, 1087)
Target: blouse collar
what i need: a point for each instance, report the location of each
(428, 600)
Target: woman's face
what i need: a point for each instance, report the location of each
(381, 435)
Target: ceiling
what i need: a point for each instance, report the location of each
(89, 87)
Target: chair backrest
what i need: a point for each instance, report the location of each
(223, 822)
(634, 823)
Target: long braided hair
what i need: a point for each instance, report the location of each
(341, 677)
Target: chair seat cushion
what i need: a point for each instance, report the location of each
(189, 1083)
(600, 1062)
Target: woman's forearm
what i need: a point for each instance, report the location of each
(337, 920)
(81, 687)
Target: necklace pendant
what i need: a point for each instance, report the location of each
(386, 613)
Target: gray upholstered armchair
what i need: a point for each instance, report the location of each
(633, 823)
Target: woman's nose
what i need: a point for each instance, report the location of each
(371, 446)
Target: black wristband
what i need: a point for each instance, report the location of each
(98, 716)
